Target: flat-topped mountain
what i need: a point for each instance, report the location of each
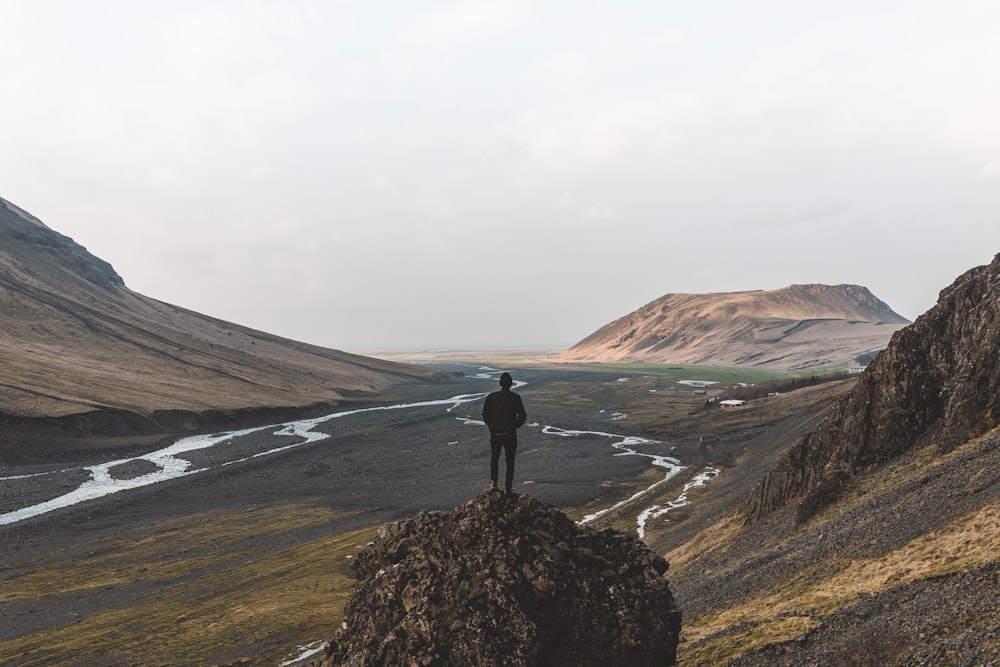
(795, 327)
(79, 345)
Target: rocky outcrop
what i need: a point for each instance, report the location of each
(800, 326)
(506, 581)
(938, 382)
(55, 252)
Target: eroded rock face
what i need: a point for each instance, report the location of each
(938, 382)
(507, 581)
(23, 234)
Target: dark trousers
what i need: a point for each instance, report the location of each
(507, 442)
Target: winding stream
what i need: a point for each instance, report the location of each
(168, 463)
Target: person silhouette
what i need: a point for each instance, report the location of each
(503, 413)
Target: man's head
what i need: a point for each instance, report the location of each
(506, 380)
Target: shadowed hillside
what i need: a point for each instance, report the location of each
(83, 352)
(874, 539)
(801, 326)
(938, 383)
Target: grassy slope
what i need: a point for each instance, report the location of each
(921, 519)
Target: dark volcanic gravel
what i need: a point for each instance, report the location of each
(133, 469)
(35, 488)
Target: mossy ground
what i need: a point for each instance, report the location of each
(219, 592)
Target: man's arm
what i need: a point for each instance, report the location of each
(519, 415)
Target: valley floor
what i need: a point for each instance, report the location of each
(249, 555)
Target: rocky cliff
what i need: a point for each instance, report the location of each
(506, 581)
(938, 382)
(800, 326)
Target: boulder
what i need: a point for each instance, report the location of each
(506, 580)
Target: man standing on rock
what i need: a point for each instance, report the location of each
(503, 412)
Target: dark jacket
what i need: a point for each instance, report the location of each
(503, 412)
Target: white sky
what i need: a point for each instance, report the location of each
(373, 175)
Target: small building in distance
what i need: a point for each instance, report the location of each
(731, 403)
(698, 384)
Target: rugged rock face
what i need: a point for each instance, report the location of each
(54, 252)
(938, 382)
(506, 581)
(799, 326)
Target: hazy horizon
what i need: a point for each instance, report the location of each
(465, 175)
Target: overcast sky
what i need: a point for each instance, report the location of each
(375, 175)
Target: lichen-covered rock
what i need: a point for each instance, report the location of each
(938, 382)
(506, 581)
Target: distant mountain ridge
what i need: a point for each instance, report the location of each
(78, 343)
(795, 327)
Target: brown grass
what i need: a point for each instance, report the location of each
(711, 538)
(967, 543)
(258, 603)
(173, 549)
(754, 636)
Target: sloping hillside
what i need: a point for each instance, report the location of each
(801, 326)
(77, 342)
(938, 384)
(903, 570)
(875, 539)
